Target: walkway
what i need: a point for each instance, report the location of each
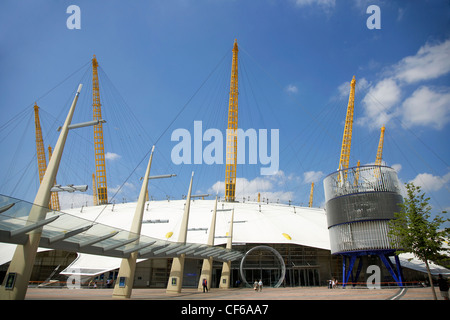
(298, 293)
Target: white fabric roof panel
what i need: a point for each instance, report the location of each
(305, 226)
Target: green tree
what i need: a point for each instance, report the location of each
(414, 231)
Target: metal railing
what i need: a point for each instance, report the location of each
(371, 178)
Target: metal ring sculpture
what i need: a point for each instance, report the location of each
(276, 253)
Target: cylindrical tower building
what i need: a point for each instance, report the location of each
(360, 201)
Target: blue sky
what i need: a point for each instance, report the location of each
(166, 64)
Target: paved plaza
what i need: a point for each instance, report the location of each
(297, 293)
(271, 303)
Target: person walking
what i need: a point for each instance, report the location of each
(205, 285)
(255, 285)
(443, 287)
(260, 285)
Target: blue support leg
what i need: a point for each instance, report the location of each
(344, 262)
(390, 268)
(399, 270)
(358, 271)
(349, 271)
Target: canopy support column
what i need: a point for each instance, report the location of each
(226, 267)
(176, 272)
(19, 271)
(124, 285)
(206, 273)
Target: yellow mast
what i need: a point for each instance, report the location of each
(94, 188)
(380, 148)
(55, 196)
(356, 180)
(347, 137)
(379, 157)
(231, 153)
(100, 168)
(42, 162)
(311, 195)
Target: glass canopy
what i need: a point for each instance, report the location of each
(67, 232)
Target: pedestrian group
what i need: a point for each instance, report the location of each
(258, 286)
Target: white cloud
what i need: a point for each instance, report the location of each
(291, 89)
(397, 167)
(265, 185)
(250, 187)
(428, 182)
(112, 156)
(127, 186)
(379, 103)
(400, 14)
(427, 108)
(312, 176)
(386, 93)
(325, 5)
(344, 89)
(430, 62)
(321, 3)
(362, 4)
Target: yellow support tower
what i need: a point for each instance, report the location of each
(42, 162)
(55, 196)
(94, 188)
(355, 182)
(100, 168)
(231, 153)
(347, 137)
(379, 158)
(311, 195)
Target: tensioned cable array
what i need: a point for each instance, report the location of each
(299, 151)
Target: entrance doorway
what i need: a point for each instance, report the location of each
(302, 277)
(269, 277)
(262, 263)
